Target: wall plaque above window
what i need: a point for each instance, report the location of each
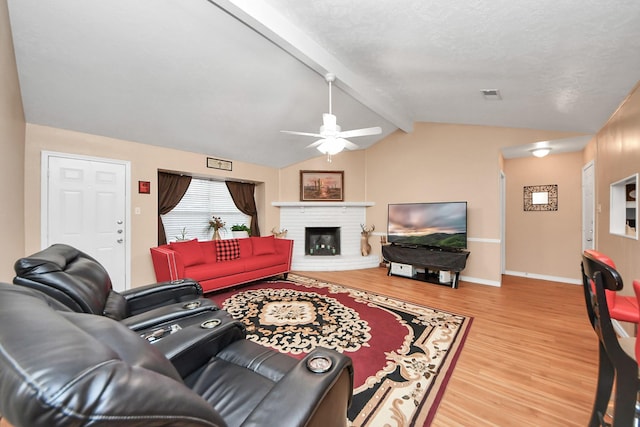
(225, 165)
(541, 198)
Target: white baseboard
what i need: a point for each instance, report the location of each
(480, 281)
(619, 329)
(544, 277)
(520, 274)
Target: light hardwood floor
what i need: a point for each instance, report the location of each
(530, 358)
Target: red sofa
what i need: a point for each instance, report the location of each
(219, 264)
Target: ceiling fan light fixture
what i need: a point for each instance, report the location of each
(331, 146)
(541, 152)
(332, 137)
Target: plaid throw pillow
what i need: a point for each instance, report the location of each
(227, 250)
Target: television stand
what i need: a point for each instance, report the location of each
(436, 263)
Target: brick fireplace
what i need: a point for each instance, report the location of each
(344, 216)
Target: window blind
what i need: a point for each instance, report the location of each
(203, 199)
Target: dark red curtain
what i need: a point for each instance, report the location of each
(242, 195)
(171, 189)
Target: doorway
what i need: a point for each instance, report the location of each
(503, 223)
(85, 204)
(588, 206)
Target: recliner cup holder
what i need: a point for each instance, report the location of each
(319, 364)
(160, 333)
(210, 324)
(191, 305)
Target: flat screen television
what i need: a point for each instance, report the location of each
(441, 225)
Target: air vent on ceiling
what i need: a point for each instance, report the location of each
(491, 94)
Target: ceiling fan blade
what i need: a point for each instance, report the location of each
(348, 144)
(315, 144)
(360, 132)
(292, 132)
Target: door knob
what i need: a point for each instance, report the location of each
(120, 240)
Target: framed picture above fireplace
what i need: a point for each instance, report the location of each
(321, 186)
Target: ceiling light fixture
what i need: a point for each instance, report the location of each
(331, 146)
(541, 152)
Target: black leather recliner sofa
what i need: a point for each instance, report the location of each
(81, 283)
(63, 368)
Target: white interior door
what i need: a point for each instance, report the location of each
(86, 208)
(503, 222)
(588, 206)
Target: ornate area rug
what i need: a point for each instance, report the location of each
(403, 353)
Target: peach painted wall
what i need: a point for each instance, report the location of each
(436, 162)
(445, 162)
(145, 161)
(545, 244)
(618, 156)
(589, 152)
(351, 162)
(12, 134)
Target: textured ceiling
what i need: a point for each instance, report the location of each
(559, 65)
(195, 75)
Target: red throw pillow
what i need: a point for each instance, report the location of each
(209, 250)
(264, 245)
(246, 250)
(226, 250)
(190, 251)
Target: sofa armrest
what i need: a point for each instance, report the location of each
(192, 347)
(155, 295)
(285, 246)
(308, 398)
(167, 264)
(168, 313)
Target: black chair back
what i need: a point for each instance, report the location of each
(614, 362)
(596, 277)
(68, 275)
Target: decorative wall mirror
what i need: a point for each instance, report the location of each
(541, 198)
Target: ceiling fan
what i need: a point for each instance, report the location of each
(332, 137)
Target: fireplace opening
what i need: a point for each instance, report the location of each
(322, 241)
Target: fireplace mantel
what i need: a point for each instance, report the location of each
(348, 216)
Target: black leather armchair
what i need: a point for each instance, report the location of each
(63, 368)
(81, 283)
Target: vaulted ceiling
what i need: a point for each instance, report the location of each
(223, 77)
